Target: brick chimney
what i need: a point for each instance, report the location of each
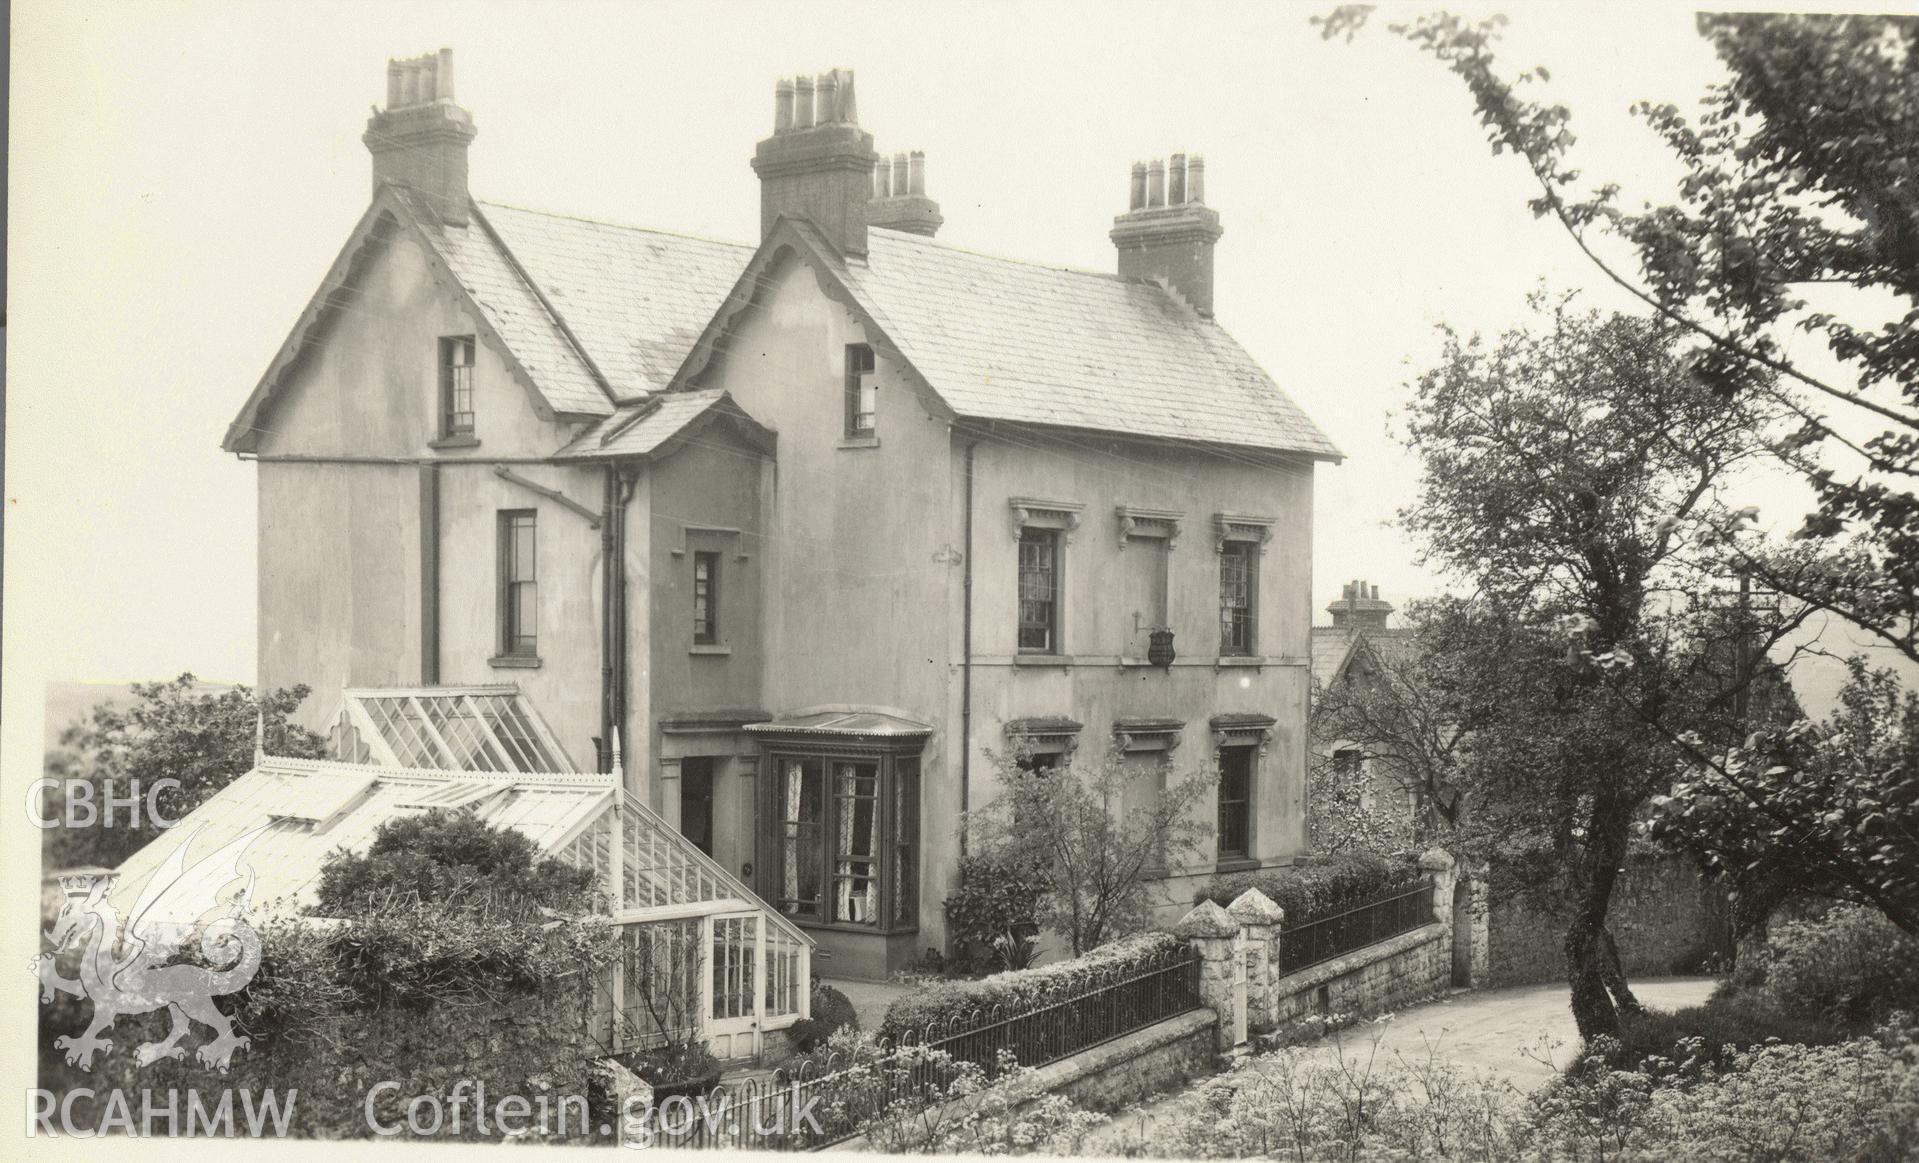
(420, 139)
(818, 165)
(1168, 232)
(1359, 605)
(899, 196)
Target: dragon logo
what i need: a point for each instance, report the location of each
(132, 971)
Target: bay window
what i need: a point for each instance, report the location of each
(844, 832)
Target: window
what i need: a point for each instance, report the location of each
(862, 389)
(706, 598)
(846, 830)
(1236, 766)
(802, 791)
(1238, 588)
(906, 834)
(519, 594)
(1038, 762)
(1039, 591)
(456, 386)
(856, 882)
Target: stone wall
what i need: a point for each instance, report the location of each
(1411, 967)
(1666, 917)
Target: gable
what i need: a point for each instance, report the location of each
(505, 314)
(362, 377)
(1000, 340)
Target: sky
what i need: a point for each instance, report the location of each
(184, 173)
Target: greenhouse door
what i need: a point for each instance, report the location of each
(735, 985)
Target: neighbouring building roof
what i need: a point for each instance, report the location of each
(1001, 339)
(1334, 648)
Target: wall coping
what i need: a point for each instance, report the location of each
(1325, 971)
(1097, 1059)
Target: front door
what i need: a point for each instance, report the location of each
(696, 801)
(734, 985)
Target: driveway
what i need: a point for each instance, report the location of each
(1499, 1032)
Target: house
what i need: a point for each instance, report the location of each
(814, 525)
(1359, 650)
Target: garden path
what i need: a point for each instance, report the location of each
(1481, 1031)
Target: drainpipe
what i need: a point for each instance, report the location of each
(622, 493)
(604, 760)
(429, 575)
(966, 655)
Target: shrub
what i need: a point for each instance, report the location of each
(996, 905)
(832, 1012)
(451, 860)
(1723, 1026)
(944, 1001)
(1852, 965)
(1324, 887)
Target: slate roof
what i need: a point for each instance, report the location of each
(641, 429)
(1333, 647)
(1002, 339)
(634, 299)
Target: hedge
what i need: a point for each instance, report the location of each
(1310, 891)
(942, 1001)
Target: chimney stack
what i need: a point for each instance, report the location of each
(899, 197)
(818, 165)
(1168, 232)
(1359, 605)
(420, 139)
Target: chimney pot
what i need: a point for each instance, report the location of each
(902, 174)
(1155, 183)
(826, 98)
(783, 106)
(916, 171)
(882, 180)
(1196, 180)
(803, 103)
(1176, 181)
(1137, 201)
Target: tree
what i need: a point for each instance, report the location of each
(1801, 173)
(1829, 810)
(1093, 856)
(171, 731)
(1557, 465)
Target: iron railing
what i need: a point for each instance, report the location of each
(829, 1099)
(1325, 938)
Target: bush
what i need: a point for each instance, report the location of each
(1724, 1026)
(994, 908)
(1852, 965)
(452, 860)
(943, 1001)
(831, 1012)
(1324, 887)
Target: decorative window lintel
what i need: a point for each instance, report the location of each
(1138, 522)
(1241, 527)
(1045, 734)
(1063, 515)
(1242, 731)
(1147, 734)
(678, 549)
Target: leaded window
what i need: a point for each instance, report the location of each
(802, 797)
(1039, 591)
(706, 597)
(456, 385)
(1238, 586)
